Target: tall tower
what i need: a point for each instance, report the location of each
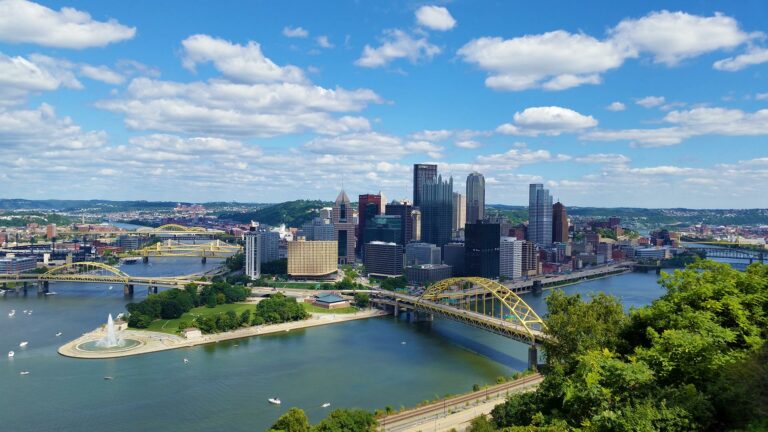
(539, 215)
(475, 197)
(559, 223)
(344, 228)
(368, 206)
(459, 212)
(402, 209)
(437, 211)
(253, 253)
(421, 174)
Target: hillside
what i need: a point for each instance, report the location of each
(291, 213)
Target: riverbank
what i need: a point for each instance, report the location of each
(155, 341)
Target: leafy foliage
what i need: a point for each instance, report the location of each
(291, 213)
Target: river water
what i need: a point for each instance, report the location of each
(360, 364)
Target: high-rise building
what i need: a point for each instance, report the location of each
(481, 249)
(312, 259)
(437, 211)
(530, 264)
(368, 206)
(559, 223)
(344, 229)
(453, 255)
(269, 243)
(50, 231)
(614, 222)
(421, 253)
(459, 213)
(539, 215)
(384, 228)
(383, 259)
(416, 223)
(402, 209)
(511, 258)
(252, 253)
(318, 229)
(475, 197)
(422, 173)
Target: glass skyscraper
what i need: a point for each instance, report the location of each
(422, 173)
(475, 197)
(539, 215)
(437, 211)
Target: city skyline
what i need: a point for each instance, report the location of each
(106, 101)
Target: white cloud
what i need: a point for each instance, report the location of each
(751, 57)
(650, 101)
(397, 44)
(517, 157)
(603, 159)
(40, 129)
(435, 18)
(294, 32)
(432, 135)
(616, 106)
(675, 36)
(324, 42)
(467, 144)
(23, 21)
(102, 73)
(761, 96)
(244, 63)
(552, 120)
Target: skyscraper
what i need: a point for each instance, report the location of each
(559, 223)
(511, 258)
(475, 197)
(459, 212)
(437, 211)
(368, 206)
(539, 215)
(402, 209)
(481, 249)
(344, 228)
(421, 174)
(252, 253)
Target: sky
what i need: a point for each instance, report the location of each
(637, 104)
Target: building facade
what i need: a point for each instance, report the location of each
(475, 197)
(437, 211)
(421, 253)
(368, 206)
(481, 249)
(402, 209)
(453, 255)
(459, 213)
(422, 173)
(530, 264)
(511, 258)
(384, 228)
(427, 273)
(559, 223)
(252, 253)
(539, 215)
(344, 229)
(10, 265)
(312, 259)
(383, 259)
(269, 243)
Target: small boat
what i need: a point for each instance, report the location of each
(108, 378)
(11, 354)
(110, 287)
(402, 343)
(24, 373)
(23, 344)
(58, 334)
(12, 313)
(24, 311)
(326, 405)
(186, 361)
(30, 312)
(51, 293)
(274, 401)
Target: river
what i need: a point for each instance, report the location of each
(225, 386)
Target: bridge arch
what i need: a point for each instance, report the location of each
(86, 268)
(462, 291)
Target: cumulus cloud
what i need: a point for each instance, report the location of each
(761, 96)
(294, 32)
(616, 106)
(371, 145)
(603, 159)
(467, 144)
(243, 63)
(435, 18)
(752, 57)
(397, 44)
(551, 120)
(324, 42)
(650, 101)
(23, 21)
(517, 157)
(40, 129)
(101, 73)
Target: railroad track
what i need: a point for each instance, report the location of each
(400, 421)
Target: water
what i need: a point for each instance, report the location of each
(225, 386)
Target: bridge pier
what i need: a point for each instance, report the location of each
(533, 357)
(151, 290)
(422, 317)
(145, 259)
(42, 287)
(203, 260)
(397, 308)
(128, 290)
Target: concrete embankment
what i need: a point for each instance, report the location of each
(155, 341)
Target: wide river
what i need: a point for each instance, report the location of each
(225, 386)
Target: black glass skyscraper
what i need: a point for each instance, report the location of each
(437, 211)
(481, 249)
(422, 173)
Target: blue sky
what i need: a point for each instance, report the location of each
(648, 104)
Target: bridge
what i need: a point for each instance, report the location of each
(475, 301)
(723, 252)
(93, 272)
(174, 248)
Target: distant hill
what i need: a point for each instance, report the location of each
(11, 204)
(291, 213)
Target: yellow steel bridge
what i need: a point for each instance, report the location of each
(173, 248)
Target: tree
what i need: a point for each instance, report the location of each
(347, 420)
(235, 262)
(294, 420)
(362, 300)
(480, 424)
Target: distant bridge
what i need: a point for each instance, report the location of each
(171, 248)
(93, 272)
(478, 302)
(750, 255)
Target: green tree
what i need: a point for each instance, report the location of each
(362, 300)
(294, 420)
(480, 424)
(347, 420)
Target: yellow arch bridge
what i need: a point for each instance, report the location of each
(93, 272)
(478, 302)
(174, 248)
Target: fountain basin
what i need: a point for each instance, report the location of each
(125, 344)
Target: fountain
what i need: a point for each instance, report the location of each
(111, 342)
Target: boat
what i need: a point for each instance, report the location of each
(12, 313)
(274, 401)
(130, 260)
(24, 373)
(326, 405)
(51, 293)
(110, 287)
(186, 361)
(108, 378)
(402, 343)
(2, 291)
(23, 344)
(11, 354)
(58, 334)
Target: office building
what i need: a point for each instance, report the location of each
(10, 265)
(421, 253)
(530, 263)
(252, 253)
(344, 229)
(384, 228)
(403, 210)
(269, 243)
(427, 273)
(459, 213)
(368, 206)
(511, 258)
(437, 211)
(475, 197)
(539, 215)
(481, 249)
(129, 242)
(453, 255)
(559, 223)
(416, 223)
(383, 259)
(50, 231)
(422, 173)
(318, 229)
(312, 259)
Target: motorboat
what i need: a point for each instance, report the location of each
(108, 378)
(24, 373)
(402, 343)
(12, 313)
(326, 405)
(11, 354)
(58, 334)
(23, 344)
(274, 401)
(51, 293)
(110, 287)
(186, 361)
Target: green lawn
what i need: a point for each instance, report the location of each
(172, 326)
(315, 309)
